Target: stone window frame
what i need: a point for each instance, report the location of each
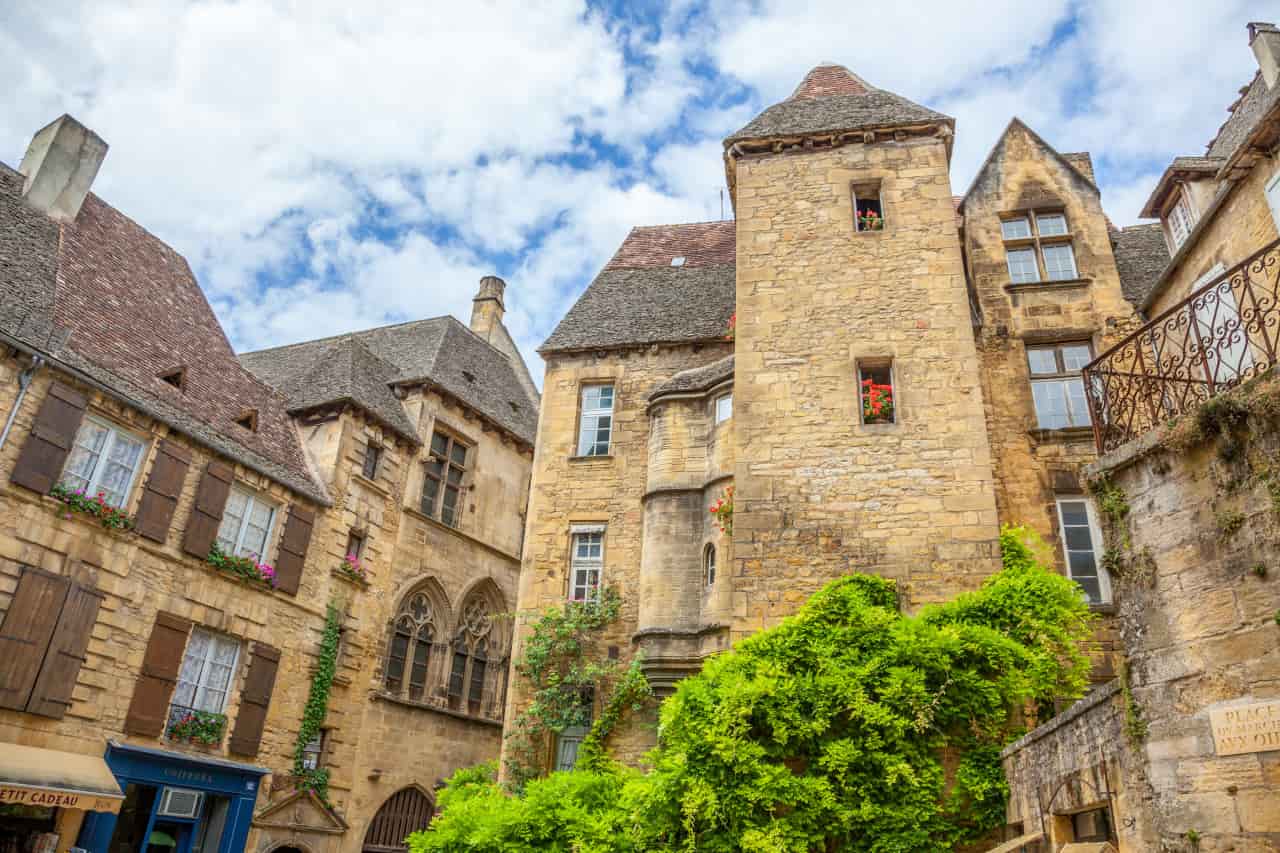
(588, 565)
(114, 433)
(1062, 377)
(877, 363)
(726, 397)
(474, 650)
(452, 441)
(1035, 242)
(592, 452)
(420, 619)
(871, 191)
(709, 565)
(1105, 591)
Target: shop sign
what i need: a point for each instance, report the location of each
(52, 798)
(1246, 728)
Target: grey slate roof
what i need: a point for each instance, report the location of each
(1255, 103)
(440, 351)
(639, 298)
(696, 379)
(1141, 256)
(833, 99)
(28, 267)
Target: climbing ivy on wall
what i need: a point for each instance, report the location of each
(317, 706)
(563, 665)
(850, 726)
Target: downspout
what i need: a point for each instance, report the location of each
(24, 382)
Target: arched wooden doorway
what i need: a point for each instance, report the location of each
(405, 811)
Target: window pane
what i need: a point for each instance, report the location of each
(1075, 356)
(606, 397)
(455, 475)
(232, 518)
(1051, 224)
(724, 408)
(587, 435)
(1078, 539)
(1042, 361)
(84, 455)
(1091, 586)
(458, 455)
(1077, 402)
(418, 675)
(430, 488)
(395, 658)
(1051, 404)
(1074, 512)
(1059, 262)
(439, 444)
(449, 510)
(1022, 266)
(1015, 229)
(457, 673)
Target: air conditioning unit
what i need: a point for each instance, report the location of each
(179, 802)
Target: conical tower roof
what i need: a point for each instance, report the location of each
(832, 99)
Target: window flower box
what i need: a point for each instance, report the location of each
(877, 402)
(352, 569)
(247, 568)
(77, 500)
(870, 220)
(202, 728)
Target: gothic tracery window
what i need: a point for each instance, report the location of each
(471, 648)
(410, 649)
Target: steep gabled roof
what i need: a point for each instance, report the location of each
(1182, 168)
(439, 351)
(832, 99)
(640, 298)
(1141, 256)
(1018, 124)
(1255, 102)
(108, 299)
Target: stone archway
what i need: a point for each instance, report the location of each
(407, 810)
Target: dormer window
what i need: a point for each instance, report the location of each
(1180, 220)
(176, 377)
(248, 420)
(677, 261)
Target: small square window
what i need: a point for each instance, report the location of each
(1015, 229)
(868, 209)
(677, 261)
(724, 408)
(1051, 224)
(876, 394)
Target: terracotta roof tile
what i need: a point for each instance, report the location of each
(699, 243)
(830, 79)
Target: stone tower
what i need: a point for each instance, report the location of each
(849, 270)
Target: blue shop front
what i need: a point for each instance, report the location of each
(174, 803)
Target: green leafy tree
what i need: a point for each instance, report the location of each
(849, 727)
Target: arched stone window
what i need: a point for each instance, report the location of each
(709, 565)
(478, 657)
(413, 631)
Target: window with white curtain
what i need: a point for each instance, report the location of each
(104, 459)
(246, 524)
(207, 669)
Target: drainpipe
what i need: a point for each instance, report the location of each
(24, 382)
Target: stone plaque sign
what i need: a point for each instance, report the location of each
(1246, 728)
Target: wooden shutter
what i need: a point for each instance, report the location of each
(41, 459)
(258, 684)
(206, 516)
(160, 666)
(164, 485)
(51, 696)
(25, 633)
(293, 549)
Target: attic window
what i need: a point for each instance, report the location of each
(177, 378)
(515, 407)
(469, 376)
(677, 261)
(868, 209)
(248, 419)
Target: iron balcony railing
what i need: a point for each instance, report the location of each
(1223, 334)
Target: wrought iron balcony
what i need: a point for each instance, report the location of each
(1223, 334)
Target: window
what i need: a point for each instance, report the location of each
(1057, 386)
(103, 459)
(709, 564)
(312, 751)
(868, 210)
(372, 456)
(207, 667)
(442, 487)
(677, 261)
(246, 524)
(469, 667)
(596, 427)
(724, 408)
(570, 738)
(876, 394)
(412, 634)
(1180, 220)
(1081, 540)
(177, 378)
(1040, 253)
(586, 564)
(355, 545)
(248, 419)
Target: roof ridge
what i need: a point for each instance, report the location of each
(683, 224)
(340, 335)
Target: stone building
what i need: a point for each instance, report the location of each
(158, 646)
(902, 377)
(1184, 753)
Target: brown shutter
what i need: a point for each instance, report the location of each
(25, 633)
(160, 497)
(258, 684)
(293, 549)
(51, 696)
(41, 459)
(206, 516)
(154, 688)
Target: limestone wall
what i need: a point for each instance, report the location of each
(819, 494)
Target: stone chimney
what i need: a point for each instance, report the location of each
(1265, 40)
(60, 165)
(487, 308)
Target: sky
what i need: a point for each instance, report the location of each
(327, 166)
